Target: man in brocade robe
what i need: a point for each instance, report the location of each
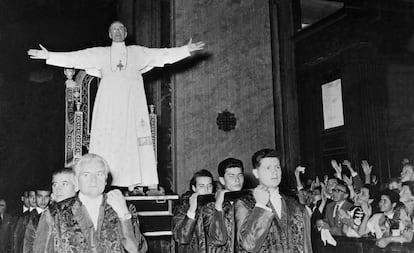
(266, 220)
(190, 221)
(63, 187)
(222, 230)
(121, 131)
(42, 202)
(93, 221)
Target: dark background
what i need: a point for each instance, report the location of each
(32, 95)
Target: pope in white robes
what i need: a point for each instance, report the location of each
(120, 130)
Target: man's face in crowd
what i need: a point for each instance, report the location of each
(233, 179)
(92, 178)
(363, 195)
(63, 186)
(385, 204)
(332, 182)
(204, 185)
(25, 199)
(42, 198)
(303, 196)
(406, 194)
(407, 173)
(117, 32)
(339, 193)
(269, 172)
(316, 195)
(2, 206)
(32, 199)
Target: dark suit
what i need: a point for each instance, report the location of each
(334, 222)
(6, 233)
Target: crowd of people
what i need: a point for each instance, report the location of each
(264, 220)
(349, 205)
(76, 214)
(236, 220)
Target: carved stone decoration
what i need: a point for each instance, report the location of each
(70, 110)
(226, 121)
(153, 123)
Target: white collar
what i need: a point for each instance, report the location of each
(340, 204)
(39, 210)
(118, 44)
(91, 202)
(92, 205)
(389, 215)
(274, 193)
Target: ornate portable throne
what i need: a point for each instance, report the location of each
(155, 212)
(80, 95)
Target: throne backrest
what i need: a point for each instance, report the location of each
(79, 98)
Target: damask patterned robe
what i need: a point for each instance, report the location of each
(19, 231)
(73, 230)
(190, 234)
(30, 232)
(222, 230)
(260, 230)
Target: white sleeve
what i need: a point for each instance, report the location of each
(82, 59)
(158, 57)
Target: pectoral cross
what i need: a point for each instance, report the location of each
(120, 66)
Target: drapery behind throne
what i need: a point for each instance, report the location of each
(79, 99)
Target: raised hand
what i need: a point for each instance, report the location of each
(117, 201)
(193, 202)
(337, 167)
(325, 179)
(192, 47)
(374, 179)
(347, 180)
(366, 207)
(348, 165)
(43, 53)
(261, 195)
(366, 167)
(220, 199)
(298, 170)
(317, 182)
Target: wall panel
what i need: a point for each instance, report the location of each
(235, 75)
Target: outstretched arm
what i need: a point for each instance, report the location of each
(158, 57)
(194, 47)
(90, 58)
(43, 53)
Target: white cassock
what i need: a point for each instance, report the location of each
(120, 130)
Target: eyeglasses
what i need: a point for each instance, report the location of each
(338, 190)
